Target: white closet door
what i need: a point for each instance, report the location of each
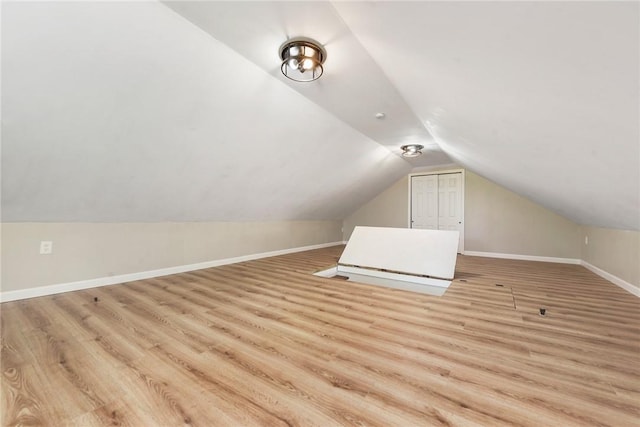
(437, 203)
(424, 202)
(450, 201)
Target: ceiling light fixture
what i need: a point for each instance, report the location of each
(411, 150)
(302, 59)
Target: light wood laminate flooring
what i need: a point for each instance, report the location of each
(266, 343)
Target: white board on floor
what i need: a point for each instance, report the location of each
(406, 250)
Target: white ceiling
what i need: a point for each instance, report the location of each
(131, 111)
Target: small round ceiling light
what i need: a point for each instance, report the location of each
(411, 150)
(380, 116)
(302, 59)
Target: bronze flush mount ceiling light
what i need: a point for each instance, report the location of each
(302, 59)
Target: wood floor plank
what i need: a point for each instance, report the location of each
(265, 343)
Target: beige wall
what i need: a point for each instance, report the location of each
(83, 251)
(388, 209)
(496, 220)
(615, 251)
(499, 220)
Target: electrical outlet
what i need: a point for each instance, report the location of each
(586, 240)
(46, 247)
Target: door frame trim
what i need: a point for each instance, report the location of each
(440, 172)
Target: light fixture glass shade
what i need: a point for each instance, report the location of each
(302, 59)
(411, 150)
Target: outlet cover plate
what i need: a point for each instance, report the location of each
(46, 247)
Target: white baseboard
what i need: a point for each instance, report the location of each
(613, 279)
(524, 257)
(635, 290)
(122, 278)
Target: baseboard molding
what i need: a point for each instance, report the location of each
(123, 278)
(635, 290)
(613, 279)
(524, 257)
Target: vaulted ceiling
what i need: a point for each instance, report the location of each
(177, 111)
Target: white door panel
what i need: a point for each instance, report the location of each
(424, 203)
(437, 202)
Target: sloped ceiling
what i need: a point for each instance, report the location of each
(132, 111)
(540, 97)
(127, 112)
